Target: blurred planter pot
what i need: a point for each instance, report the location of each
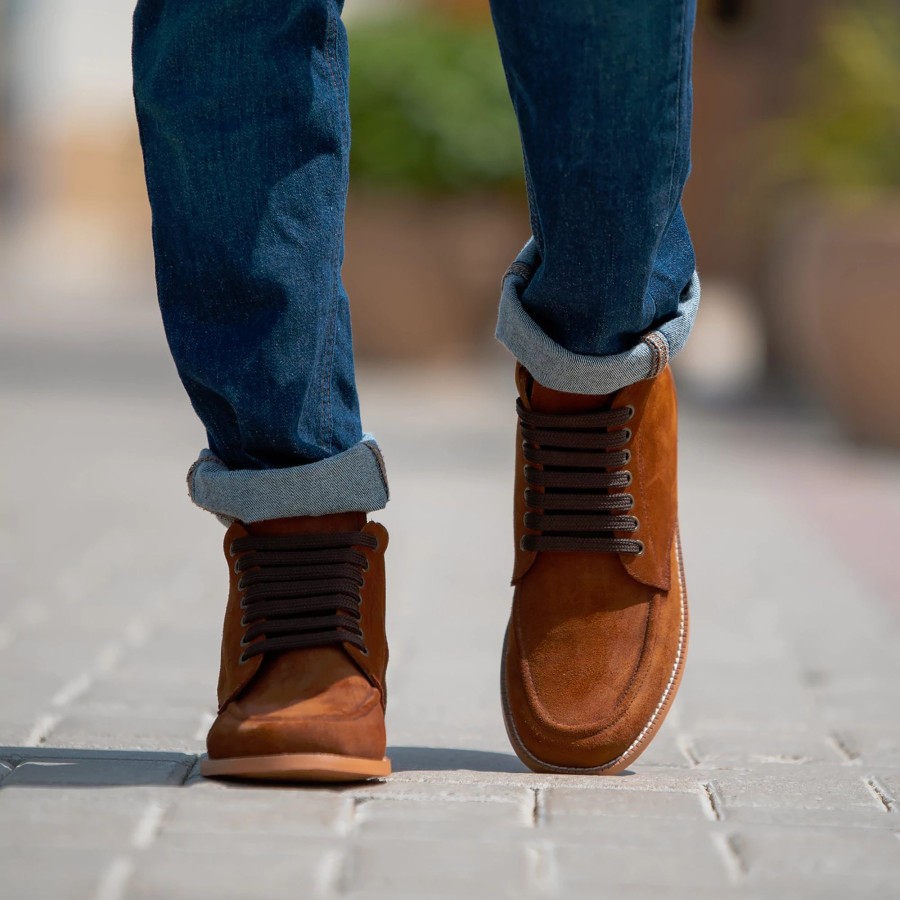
(423, 274)
(839, 278)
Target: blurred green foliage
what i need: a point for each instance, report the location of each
(429, 107)
(846, 138)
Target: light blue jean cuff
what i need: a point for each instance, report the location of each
(578, 373)
(352, 481)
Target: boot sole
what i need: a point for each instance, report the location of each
(296, 767)
(647, 733)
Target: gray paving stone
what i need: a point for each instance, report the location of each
(131, 731)
(450, 759)
(841, 818)
(307, 868)
(649, 778)
(657, 853)
(214, 808)
(859, 701)
(20, 754)
(72, 817)
(741, 696)
(179, 689)
(664, 750)
(445, 868)
(830, 858)
(824, 788)
(46, 872)
(445, 790)
(728, 746)
(567, 808)
(787, 721)
(425, 820)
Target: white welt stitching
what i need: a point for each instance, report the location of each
(678, 657)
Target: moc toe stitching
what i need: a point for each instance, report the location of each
(631, 689)
(635, 746)
(599, 732)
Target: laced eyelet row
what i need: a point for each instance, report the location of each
(576, 493)
(301, 591)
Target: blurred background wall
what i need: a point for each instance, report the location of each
(792, 200)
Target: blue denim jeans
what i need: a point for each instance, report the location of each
(243, 116)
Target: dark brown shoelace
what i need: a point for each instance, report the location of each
(575, 499)
(301, 590)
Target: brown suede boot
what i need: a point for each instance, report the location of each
(304, 653)
(597, 637)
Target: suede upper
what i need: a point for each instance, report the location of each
(326, 699)
(596, 640)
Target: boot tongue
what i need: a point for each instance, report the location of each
(349, 521)
(544, 399)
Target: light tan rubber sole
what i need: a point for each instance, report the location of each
(642, 740)
(297, 767)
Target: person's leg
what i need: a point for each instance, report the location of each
(600, 299)
(244, 125)
(602, 93)
(242, 108)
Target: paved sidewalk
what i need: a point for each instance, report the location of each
(776, 775)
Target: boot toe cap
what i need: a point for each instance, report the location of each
(550, 734)
(314, 725)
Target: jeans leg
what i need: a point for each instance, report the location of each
(244, 124)
(605, 292)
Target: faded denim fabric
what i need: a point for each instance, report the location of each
(244, 124)
(243, 117)
(559, 368)
(603, 96)
(254, 496)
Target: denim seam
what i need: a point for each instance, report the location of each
(536, 228)
(327, 412)
(678, 91)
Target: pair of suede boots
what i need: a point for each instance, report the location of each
(597, 636)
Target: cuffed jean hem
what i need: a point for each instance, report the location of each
(578, 373)
(352, 481)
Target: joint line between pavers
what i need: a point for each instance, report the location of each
(108, 658)
(72, 690)
(688, 750)
(881, 794)
(543, 871)
(536, 816)
(729, 850)
(117, 875)
(148, 826)
(443, 798)
(711, 801)
(844, 748)
(115, 879)
(104, 662)
(348, 820)
(528, 781)
(41, 730)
